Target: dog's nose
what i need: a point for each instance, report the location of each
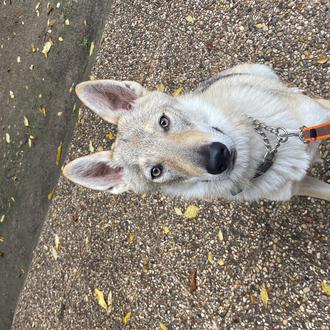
(217, 157)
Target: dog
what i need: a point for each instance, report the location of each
(238, 136)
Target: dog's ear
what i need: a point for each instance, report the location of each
(96, 171)
(110, 98)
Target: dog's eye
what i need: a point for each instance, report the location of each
(164, 122)
(156, 171)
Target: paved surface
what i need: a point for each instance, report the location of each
(264, 270)
(28, 138)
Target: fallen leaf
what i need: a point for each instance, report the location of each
(162, 326)
(26, 121)
(59, 154)
(57, 242)
(110, 136)
(2, 218)
(192, 281)
(131, 238)
(262, 26)
(53, 253)
(127, 317)
(221, 262)
(91, 147)
(51, 194)
(33, 47)
(37, 6)
(100, 298)
(18, 59)
(191, 212)
(322, 59)
(190, 19)
(42, 110)
(264, 295)
(92, 77)
(109, 302)
(91, 48)
(51, 22)
(7, 138)
(60, 39)
(325, 288)
(220, 235)
(166, 229)
(67, 22)
(178, 91)
(210, 256)
(47, 46)
(160, 87)
(178, 211)
(31, 67)
(11, 94)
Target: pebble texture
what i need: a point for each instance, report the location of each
(118, 243)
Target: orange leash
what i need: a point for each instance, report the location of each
(314, 133)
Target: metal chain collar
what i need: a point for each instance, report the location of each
(281, 135)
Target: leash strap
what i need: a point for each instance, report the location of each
(318, 132)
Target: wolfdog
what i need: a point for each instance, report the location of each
(240, 136)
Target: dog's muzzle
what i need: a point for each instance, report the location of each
(217, 158)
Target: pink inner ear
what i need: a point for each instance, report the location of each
(116, 97)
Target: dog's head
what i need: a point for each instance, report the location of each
(179, 145)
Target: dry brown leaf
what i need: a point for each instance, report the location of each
(178, 91)
(47, 46)
(325, 288)
(192, 277)
(191, 212)
(59, 154)
(264, 295)
(100, 298)
(127, 317)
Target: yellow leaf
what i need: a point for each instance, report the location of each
(51, 194)
(178, 91)
(31, 67)
(322, 59)
(261, 26)
(7, 138)
(59, 154)
(190, 19)
(109, 302)
(67, 22)
(166, 229)
(54, 253)
(57, 242)
(325, 288)
(33, 47)
(178, 211)
(210, 256)
(220, 235)
(91, 147)
(131, 239)
(191, 212)
(109, 136)
(26, 121)
(100, 298)
(162, 326)
(42, 109)
(2, 218)
(60, 39)
(11, 94)
(160, 87)
(221, 262)
(47, 46)
(127, 317)
(92, 77)
(91, 48)
(264, 295)
(18, 59)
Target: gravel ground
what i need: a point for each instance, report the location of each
(258, 265)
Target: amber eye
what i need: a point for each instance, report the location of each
(156, 171)
(164, 122)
